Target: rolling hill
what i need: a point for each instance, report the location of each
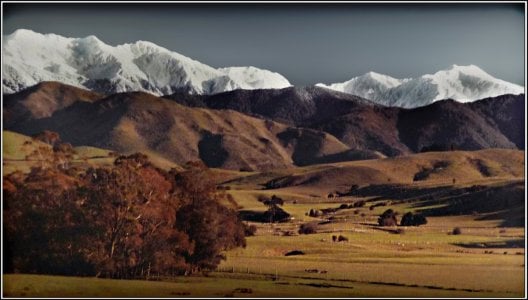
(263, 129)
(489, 123)
(441, 168)
(42, 100)
(130, 122)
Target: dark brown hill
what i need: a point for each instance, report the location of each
(446, 125)
(293, 105)
(322, 125)
(362, 125)
(507, 113)
(42, 100)
(130, 122)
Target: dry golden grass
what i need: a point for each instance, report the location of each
(319, 180)
(423, 261)
(216, 285)
(425, 256)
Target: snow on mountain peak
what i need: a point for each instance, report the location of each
(31, 57)
(461, 83)
(253, 78)
(387, 81)
(368, 85)
(92, 39)
(468, 69)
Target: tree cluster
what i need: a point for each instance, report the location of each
(274, 212)
(410, 219)
(130, 220)
(388, 218)
(308, 228)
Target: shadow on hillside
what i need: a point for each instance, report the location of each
(504, 202)
(389, 230)
(517, 243)
(269, 216)
(398, 192)
(211, 149)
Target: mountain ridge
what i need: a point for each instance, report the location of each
(362, 124)
(264, 129)
(460, 83)
(89, 63)
(141, 122)
(31, 57)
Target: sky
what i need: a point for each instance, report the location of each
(306, 43)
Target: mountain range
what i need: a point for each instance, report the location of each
(140, 97)
(89, 63)
(138, 121)
(461, 83)
(262, 129)
(361, 124)
(30, 58)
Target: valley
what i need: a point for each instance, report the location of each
(130, 170)
(485, 260)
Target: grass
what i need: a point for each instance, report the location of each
(217, 285)
(91, 152)
(425, 256)
(423, 261)
(17, 146)
(410, 259)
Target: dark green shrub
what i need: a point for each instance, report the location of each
(308, 228)
(410, 219)
(388, 218)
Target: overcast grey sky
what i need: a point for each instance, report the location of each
(307, 43)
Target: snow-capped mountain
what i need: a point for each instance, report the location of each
(30, 58)
(461, 83)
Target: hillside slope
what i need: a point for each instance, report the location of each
(130, 122)
(489, 123)
(42, 100)
(415, 170)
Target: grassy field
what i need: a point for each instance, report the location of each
(486, 260)
(426, 257)
(424, 261)
(19, 155)
(216, 285)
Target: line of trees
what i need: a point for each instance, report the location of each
(130, 220)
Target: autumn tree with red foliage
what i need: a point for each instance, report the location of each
(130, 220)
(212, 227)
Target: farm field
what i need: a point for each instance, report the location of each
(423, 262)
(213, 286)
(425, 257)
(486, 260)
